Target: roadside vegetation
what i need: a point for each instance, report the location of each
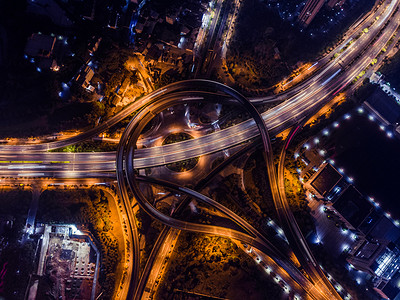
(149, 228)
(214, 266)
(296, 197)
(37, 101)
(184, 165)
(265, 49)
(89, 146)
(257, 184)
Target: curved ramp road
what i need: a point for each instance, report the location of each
(126, 176)
(334, 73)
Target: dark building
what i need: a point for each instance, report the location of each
(390, 289)
(353, 206)
(42, 48)
(364, 256)
(384, 107)
(324, 180)
(309, 11)
(370, 222)
(40, 45)
(380, 259)
(360, 214)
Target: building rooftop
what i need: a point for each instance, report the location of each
(85, 76)
(386, 264)
(385, 105)
(392, 288)
(367, 250)
(370, 221)
(40, 45)
(353, 206)
(385, 229)
(326, 180)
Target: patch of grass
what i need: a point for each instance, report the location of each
(214, 266)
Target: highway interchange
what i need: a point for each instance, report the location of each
(310, 94)
(332, 75)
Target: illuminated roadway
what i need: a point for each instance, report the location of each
(326, 70)
(334, 77)
(125, 158)
(320, 88)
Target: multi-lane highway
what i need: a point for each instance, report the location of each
(334, 73)
(326, 68)
(314, 92)
(252, 237)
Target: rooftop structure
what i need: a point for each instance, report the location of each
(322, 182)
(353, 206)
(40, 45)
(365, 255)
(377, 257)
(390, 289)
(309, 11)
(335, 3)
(370, 222)
(83, 79)
(45, 50)
(384, 228)
(380, 259)
(386, 108)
